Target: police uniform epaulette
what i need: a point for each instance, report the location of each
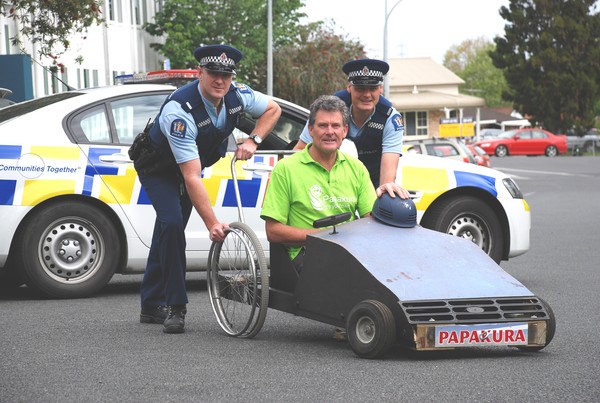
(384, 106)
(188, 96)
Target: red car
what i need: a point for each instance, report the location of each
(481, 156)
(528, 141)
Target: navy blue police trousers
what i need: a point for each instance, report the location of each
(164, 277)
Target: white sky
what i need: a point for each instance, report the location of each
(416, 28)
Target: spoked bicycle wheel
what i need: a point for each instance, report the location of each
(238, 282)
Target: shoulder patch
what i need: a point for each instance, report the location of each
(178, 128)
(398, 122)
(243, 88)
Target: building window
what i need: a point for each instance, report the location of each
(158, 6)
(135, 12)
(144, 12)
(64, 77)
(7, 39)
(416, 123)
(86, 78)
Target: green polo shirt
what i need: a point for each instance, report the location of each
(301, 190)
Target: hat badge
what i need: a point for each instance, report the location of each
(365, 70)
(223, 57)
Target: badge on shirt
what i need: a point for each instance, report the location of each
(398, 122)
(178, 128)
(243, 88)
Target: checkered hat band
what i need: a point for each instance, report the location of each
(217, 59)
(361, 73)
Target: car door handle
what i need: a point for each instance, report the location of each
(116, 159)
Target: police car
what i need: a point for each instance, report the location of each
(73, 212)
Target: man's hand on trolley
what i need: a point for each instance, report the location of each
(217, 232)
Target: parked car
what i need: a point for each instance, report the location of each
(73, 212)
(481, 157)
(527, 141)
(440, 147)
(587, 143)
(489, 133)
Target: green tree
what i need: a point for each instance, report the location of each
(470, 60)
(312, 64)
(187, 24)
(50, 23)
(550, 57)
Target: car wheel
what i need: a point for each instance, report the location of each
(9, 279)
(371, 329)
(501, 151)
(551, 151)
(68, 250)
(550, 330)
(470, 218)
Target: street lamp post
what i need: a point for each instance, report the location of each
(386, 80)
(270, 47)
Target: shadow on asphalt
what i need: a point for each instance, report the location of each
(119, 285)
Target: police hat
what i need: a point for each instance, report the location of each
(366, 71)
(219, 58)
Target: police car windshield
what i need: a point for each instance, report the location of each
(22, 108)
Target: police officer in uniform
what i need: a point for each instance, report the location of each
(191, 133)
(376, 127)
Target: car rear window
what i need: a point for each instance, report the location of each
(22, 108)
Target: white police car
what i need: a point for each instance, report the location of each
(73, 212)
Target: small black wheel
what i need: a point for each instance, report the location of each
(470, 218)
(501, 151)
(551, 151)
(68, 250)
(550, 329)
(371, 329)
(238, 282)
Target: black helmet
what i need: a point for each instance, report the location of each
(395, 211)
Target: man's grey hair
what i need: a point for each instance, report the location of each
(329, 103)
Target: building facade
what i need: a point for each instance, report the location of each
(119, 46)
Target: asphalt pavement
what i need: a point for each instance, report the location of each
(95, 349)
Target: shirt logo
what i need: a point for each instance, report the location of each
(178, 128)
(315, 192)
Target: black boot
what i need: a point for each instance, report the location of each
(155, 314)
(175, 321)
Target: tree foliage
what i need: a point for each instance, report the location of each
(187, 24)
(550, 57)
(50, 23)
(312, 64)
(470, 60)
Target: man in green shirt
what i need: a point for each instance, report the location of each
(316, 182)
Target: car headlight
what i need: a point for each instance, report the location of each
(512, 188)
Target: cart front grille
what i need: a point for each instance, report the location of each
(474, 310)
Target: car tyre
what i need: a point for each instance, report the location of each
(470, 218)
(371, 329)
(551, 151)
(68, 250)
(501, 151)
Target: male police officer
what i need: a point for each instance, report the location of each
(191, 130)
(376, 127)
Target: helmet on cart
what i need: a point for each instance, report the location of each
(395, 211)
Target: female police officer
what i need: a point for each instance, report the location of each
(191, 130)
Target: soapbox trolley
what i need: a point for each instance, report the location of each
(385, 285)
